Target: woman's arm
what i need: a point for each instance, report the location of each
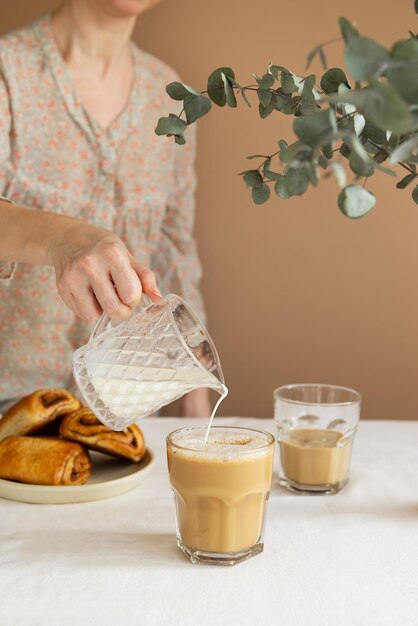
(94, 270)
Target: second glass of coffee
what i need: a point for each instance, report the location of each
(316, 425)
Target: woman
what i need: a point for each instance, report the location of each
(98, 199)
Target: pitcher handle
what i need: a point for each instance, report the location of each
(104, 320)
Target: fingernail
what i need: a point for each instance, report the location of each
(157, 292)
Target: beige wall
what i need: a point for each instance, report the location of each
(295, 292)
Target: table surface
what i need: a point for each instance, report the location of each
(349, 559)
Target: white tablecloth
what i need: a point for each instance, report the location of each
(350, 559)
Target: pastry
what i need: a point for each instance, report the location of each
(34, 412)
(44, 461)
(83, 426)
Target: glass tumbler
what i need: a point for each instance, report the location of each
(220, 491)
(316, 425)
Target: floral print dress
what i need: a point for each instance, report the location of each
(54, 157)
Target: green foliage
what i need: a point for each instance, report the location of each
(317, 51)
(353, 124)
(348, 31)
(172, 126)
(260, 194)
(332, 79)
(355, 202)
(364, 57)
(217, 82)
(317, 129)
(195, 107)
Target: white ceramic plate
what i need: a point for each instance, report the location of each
(109, 477)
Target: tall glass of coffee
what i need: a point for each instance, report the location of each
(221, 487)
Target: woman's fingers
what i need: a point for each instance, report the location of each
(127, 283)
(86, 303)
(147, 279)
(80, 300)
(108, 298)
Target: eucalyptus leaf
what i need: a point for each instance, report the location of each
(332, 79)
(252, 178)
(280, 100)
(405, 49)
(415, 194)
(312, 54)
(322, 162)
(274, 71)
(229, 92)
(290, 153)
(196, 107)
(357, 147)
(266, 81)
(355, 201)
(404, 150)
(316, 129)
(177, 91)
(266, 165)
(359, 166)
(345, 150)
(403, 75)
(407, 180)
(359, 123)
(308, 103)
(339, 174)
(280, 188)
(180, 139)
(265, 111)
(260, 194)
(364, 57)
(287, 82)
(307, 106)
(216, 85)
(297, 181)
(374, 133)
(292, 106)
(244, 97)
(327, 151)
(307, 85)
(313, 174)
(265, 96)
(393, 142)
(323, 58)
(380, 156)
(272, 175)
(347, 29)
(171, 125)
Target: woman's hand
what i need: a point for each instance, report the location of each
(96, 273)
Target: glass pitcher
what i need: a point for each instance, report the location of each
(130, 369)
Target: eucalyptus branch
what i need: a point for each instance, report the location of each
(371, 110)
